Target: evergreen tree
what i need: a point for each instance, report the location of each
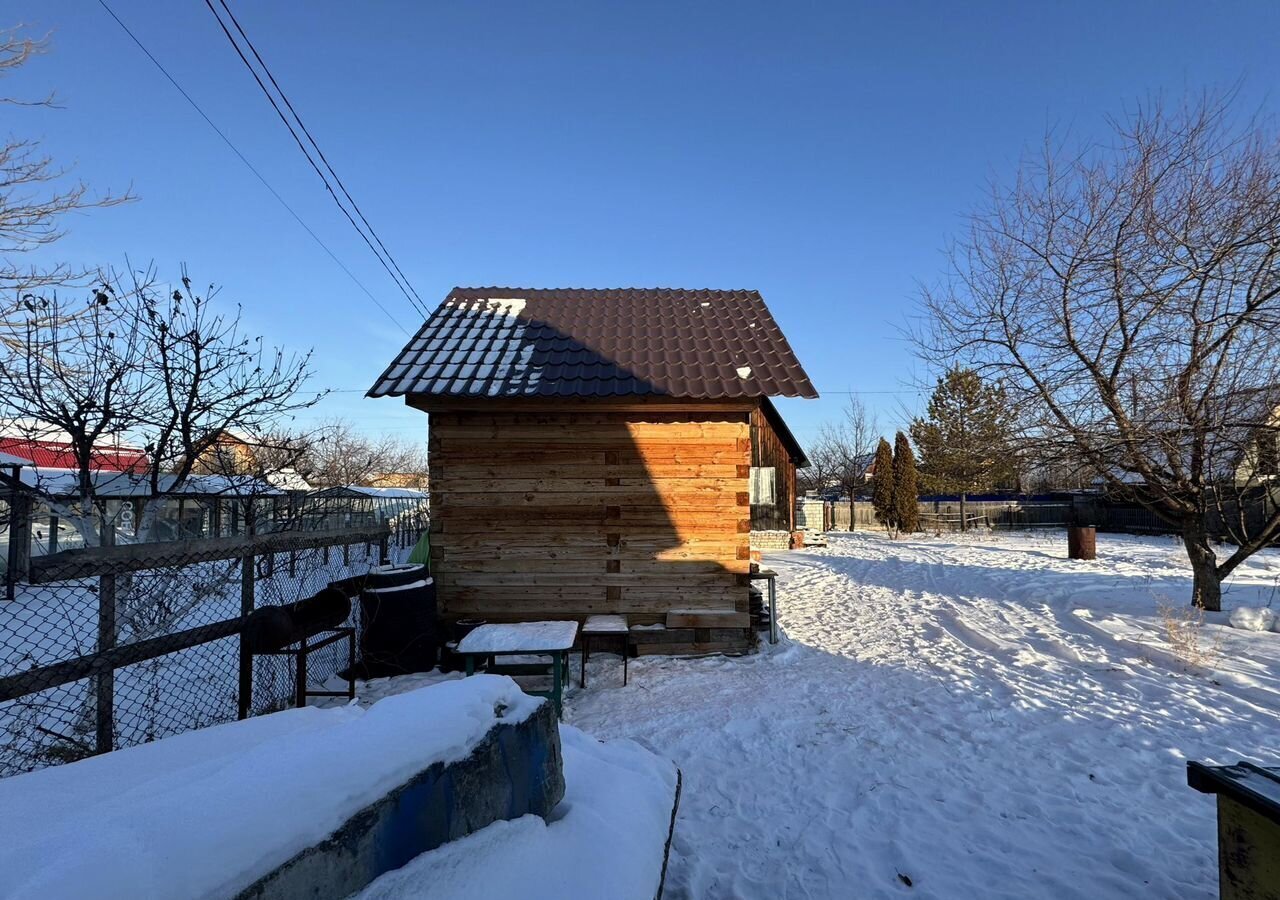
(882, 485)
(906, 492)
(964, 441)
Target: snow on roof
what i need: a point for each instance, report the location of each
(388, 493)
(265, 789)
(65, 483)
(288, 480)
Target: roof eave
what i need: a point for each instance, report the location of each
(788, 439)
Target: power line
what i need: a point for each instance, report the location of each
(226, 140)
(380, 251)
(283, 96)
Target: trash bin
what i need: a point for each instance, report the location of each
(400, 627)
(1248, 827)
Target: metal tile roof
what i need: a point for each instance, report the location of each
(61, 455)
(513, 342)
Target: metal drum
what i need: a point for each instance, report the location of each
(400, 630)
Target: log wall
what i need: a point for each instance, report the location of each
(565, 514)
(767, 450)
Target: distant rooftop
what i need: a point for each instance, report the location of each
(61, 455)
(573, 342)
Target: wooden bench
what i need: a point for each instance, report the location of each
(605, 627)
(708, 618)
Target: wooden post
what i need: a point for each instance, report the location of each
(1082, 542)
(105, 682)
(19, 541)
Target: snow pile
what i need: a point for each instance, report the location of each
(1253, 618)
(605, 840)
(977, 714)
(207, 813)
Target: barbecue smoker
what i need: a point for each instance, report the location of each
(299, 629)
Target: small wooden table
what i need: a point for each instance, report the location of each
(552, 639)
(607, 627)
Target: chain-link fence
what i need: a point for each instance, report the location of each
(111, 646)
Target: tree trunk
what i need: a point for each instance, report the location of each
(964, 523)
(1206, 590)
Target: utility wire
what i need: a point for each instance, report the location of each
(285, 97)
(250, 165)
(384, 257)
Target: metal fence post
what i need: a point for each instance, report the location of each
(245, 692)
(105, 681)
(384, 554)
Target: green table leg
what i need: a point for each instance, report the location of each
(471, 665)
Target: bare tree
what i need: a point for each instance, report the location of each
(340, 455)
(845, 449)
(35, 197)
(1127, 297)
(150, 364)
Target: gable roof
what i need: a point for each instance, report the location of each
(513, 342)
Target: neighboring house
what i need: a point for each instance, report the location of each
(592, 451)
(229, 453)
(58, 454)
(232, 453)
(413, 480)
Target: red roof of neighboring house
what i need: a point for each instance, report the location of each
(59, 455)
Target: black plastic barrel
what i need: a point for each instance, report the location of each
(400, 630)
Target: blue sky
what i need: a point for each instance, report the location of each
(820, 153)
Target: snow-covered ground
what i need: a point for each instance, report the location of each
(957, 717)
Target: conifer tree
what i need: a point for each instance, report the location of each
(906, 492)
(882, 485)
(964, 441)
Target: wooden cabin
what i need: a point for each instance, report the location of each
(604, 451)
